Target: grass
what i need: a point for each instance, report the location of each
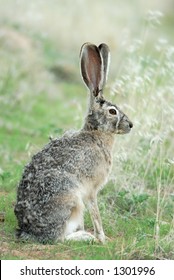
(137, 205)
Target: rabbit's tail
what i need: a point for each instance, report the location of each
(23, 235)
(42, 231)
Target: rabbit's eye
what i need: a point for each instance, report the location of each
(112, 111)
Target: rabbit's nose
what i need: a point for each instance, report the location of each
(130, 124)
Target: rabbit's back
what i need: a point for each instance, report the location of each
(77, 155)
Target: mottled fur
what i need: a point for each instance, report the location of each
(67, 174)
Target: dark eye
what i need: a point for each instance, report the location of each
(112, 111)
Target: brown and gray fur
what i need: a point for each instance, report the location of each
(67, 174)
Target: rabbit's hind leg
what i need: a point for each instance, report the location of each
(74, 229)
(75, 221)
(81, 235)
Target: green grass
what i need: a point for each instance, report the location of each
(137, 204)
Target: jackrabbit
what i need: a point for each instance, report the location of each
(68, 173)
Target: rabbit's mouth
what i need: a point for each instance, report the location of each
(124, 128)
(121, 131)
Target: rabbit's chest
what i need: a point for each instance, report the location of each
(98, 174)
(101, 174)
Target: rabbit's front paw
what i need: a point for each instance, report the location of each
(101, 237)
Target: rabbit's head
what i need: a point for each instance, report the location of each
(103, 115)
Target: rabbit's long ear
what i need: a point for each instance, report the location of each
(92, 68)
(105, 54)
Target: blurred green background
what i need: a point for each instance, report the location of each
(42, 95)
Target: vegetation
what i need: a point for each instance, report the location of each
(41, 95)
